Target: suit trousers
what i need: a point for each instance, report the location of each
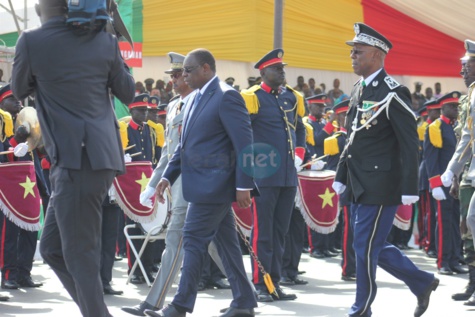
(205, 222)
(447, 232)
(371, 226)
(71, 239)
(271, 218)
(471, 218)
(348, 259)
(18, 248)
(110, 226)
(293, 245)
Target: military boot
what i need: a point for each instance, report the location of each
(469, 289)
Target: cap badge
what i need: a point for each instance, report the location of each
(357, 29)
(279, 55)
(454, 95)
(375, 83)
(145, 99)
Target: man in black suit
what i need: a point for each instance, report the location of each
(216, 132)
(71, 76)
(379, 166)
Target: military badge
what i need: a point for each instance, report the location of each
(375, 83)
(280, 54)
(391, 82)
(357, 28)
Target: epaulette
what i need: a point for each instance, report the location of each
(300, 101)
(159, 131)
(330, 145)
(6, 125)
(175, 97)
(435, 134)
(250, 98)
(309, 132)
(124, 137)
(421, 130)
(391, 82)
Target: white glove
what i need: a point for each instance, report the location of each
(438, 193)
(146, 196)
(318, 166)
(409, 199)
(127, 158)
(338, 187)
(446, 178)
(20, 150)
(298, 161)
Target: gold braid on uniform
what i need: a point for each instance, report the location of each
(251, 100)
(421, 130)
(124, 137)
(330, 145)
(6, 125)
(157, 132)
(309, 138)
(435, 134)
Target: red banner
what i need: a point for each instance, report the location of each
(128, 188)
(317, 200)
(403, 217)
(132, 57)
(243, 218)
(19, 196)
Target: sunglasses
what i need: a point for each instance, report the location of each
(189, 69)
(176, 75)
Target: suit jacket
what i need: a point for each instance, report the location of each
(380, 160)
(465, 150)
(214, 138)
(172, 134)
(71, 77)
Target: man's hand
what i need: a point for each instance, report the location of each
(317, 166)
(20, 150)
(243, 198)
(161, 187)
(127, 158)
(146, 196)
(298, 161)
(438, 193)
(447, 178)
(409, 199)
(454, 189)
(338, 187)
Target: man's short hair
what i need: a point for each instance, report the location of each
(204, 56)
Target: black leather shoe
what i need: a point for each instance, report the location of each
(238, 312)
(286, 281)
(108, 290)
(9, 284)
(118, 258)
(465, 294)
(4, 298)
(459, 269)
(471, 301)
(329, 254)
(282, 295)
(317, 254)
(334, 250)
(139, 310)
(169, 311)
(445, 271)
(432, 254)
(219, 284)
(263, 296)
(423, 299)
(305, 250)
(298, 281)
(137, 280)
(301, 272)
(28, 282)
(201, 286)
(349, 278)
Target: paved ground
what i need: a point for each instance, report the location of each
(325, 295)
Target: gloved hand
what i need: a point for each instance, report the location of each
(317, 166)
(146, 196)
(409, 199)
(438, 193)
(447, 178)
(127, 158)
(298, 161)
(338, 187)
(20, 150)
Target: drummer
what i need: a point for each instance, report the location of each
(276, 116)
(141, 148)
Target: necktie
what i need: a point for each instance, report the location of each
(192, 109)
(360, 92)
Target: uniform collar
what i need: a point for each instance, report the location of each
(312, 118)
(445, 119)
(270, 90)
(135, 125)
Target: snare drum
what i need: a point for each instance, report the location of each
(158, 226)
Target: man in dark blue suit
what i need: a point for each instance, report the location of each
(379, 165)
(216, 131)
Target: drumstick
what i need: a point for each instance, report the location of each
(129, 147)
(6, 152)
(313, 161)
(135, 154)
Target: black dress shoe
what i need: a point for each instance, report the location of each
(301, 272)
(298, 281)
(333, 250)
(423, 299)
(238, 312)
(263, 296)
(219, 284)
(465, 294)
(348, 278)
(329, 254)
(286, 281)
(169, 311)
(471, 301)
(139, 310)
(10, 284)
(282, 295)
(201, 286)
(118, 258)
(305, 250)
(445, 271)
(28, 282)
(108, 290)
(459, 269)
(317, 254)
(137, 280)
(432, 254)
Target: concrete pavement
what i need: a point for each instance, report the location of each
(325, 295)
